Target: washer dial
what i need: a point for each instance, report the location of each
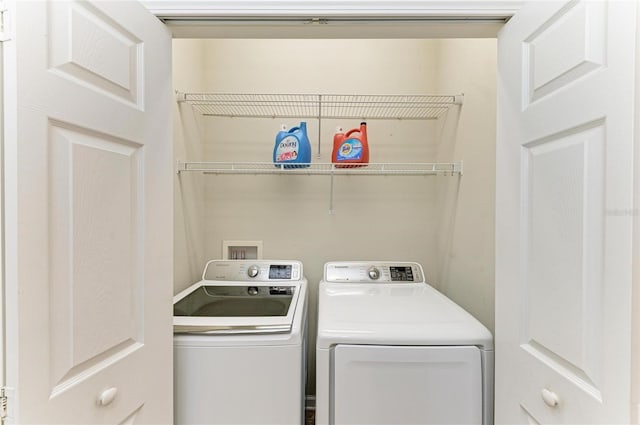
(374, 273)
(253, 271)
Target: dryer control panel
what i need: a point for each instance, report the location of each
(373, 272)
(253, 270)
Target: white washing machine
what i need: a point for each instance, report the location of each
(391, 349)
(240, 344)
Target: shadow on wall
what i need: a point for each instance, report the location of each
(189, 201)
(447, 193)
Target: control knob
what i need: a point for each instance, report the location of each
(253, 271)
(373, 273)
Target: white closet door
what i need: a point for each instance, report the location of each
(89, 214)
(564, 213)
(406, 385)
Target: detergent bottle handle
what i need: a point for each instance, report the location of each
(292, 129)
(353, 130)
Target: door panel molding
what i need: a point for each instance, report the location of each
(115, 69)
(569, 46)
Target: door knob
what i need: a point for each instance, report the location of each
(107, 396)
(550, 398)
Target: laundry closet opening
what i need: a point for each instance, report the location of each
(444, 221)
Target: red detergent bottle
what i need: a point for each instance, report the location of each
(338, 137)
(351, 149)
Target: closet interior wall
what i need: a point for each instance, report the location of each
(443, 222)
(189, 72)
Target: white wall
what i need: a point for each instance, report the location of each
(466, 231)
(188, 76)
(381, 218)
(320, 66)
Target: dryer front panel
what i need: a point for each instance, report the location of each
(406, 385)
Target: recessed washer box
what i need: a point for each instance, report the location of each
(242, 250)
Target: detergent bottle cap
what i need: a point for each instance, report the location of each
(339, 130)
(283, 127)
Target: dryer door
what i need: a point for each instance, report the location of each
(406, 385)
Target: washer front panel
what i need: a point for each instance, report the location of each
(406, 385)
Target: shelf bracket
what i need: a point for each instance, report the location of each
(180, 166)
(319, 122)
(181, 97)
(458, 99)
(331, 210)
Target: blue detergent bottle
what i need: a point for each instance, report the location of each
(292, 148)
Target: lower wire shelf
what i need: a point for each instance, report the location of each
(323, 169)
(376, 169)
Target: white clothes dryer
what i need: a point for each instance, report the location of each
(391, 349)
(240, 344)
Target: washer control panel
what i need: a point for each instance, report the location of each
(373, 272)
(252, 270)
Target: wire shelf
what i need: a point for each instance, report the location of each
(380, 169)
(334, 106)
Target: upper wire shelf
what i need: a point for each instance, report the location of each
(333, 106)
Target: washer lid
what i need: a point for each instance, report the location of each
(241, 296)
(392, 314)
(235, 307)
